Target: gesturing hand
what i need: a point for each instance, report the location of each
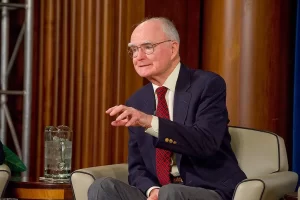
(128, 116)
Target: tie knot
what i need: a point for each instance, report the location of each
(161, 92)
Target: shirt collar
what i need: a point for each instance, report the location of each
(170, 83)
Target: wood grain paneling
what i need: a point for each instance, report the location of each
(221, 47)
(83, 69)
(250, 44)
(267, 66)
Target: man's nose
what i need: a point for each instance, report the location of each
(140, 54)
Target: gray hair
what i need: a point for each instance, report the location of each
(168, 27)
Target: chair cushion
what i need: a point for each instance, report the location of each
(256, 151)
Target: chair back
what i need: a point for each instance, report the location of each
(258, 152)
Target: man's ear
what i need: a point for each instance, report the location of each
(175, 49)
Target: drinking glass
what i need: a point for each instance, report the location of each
(58, 152)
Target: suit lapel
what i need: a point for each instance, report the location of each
(182, 97)
(181, 100)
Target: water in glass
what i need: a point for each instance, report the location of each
(58, 152)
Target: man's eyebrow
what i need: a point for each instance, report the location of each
(133, 45)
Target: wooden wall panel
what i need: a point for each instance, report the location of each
(81, 69)
(221, 47)
(250, 43)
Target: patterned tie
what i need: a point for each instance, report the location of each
(163, 157)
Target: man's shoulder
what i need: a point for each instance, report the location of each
(207, 75)
(199, 76)
(200, 73)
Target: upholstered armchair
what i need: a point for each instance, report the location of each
(4, 178)
(261, 155)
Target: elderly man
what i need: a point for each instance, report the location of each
(179, 145)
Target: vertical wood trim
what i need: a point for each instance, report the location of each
(96, 116)
(231, 66)
(106, 51)
(79, 80)
(48, 64)
(56, 49)
(248, 62)
(40, 97)
(118, 137)
(64, 65)
(71, 66)
(72, 85)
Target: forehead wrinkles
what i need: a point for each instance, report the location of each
(148, 32)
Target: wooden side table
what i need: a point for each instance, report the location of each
(34, 189)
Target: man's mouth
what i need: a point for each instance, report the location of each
(144, 65)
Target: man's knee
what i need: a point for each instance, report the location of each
(170, 191)
(105, 182)
(100, 185)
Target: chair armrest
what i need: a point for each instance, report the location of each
(269, 187)
(4, 177)
(249, 189)
(82, 179)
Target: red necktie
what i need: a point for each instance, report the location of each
(163, 157)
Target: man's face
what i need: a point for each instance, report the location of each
(157, 63)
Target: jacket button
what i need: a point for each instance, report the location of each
(171, 141)
(166, 139)
(174, 142)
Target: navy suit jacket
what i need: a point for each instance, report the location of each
(199, 128)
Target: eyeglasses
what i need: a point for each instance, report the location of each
(147, 48)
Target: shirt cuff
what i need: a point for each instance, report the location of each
(150, 189)
(153, 130)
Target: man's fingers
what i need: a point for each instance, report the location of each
(119, 123)
(127, 116)
(110, 109)
(116, 109)
(132, 121)
(124, 115)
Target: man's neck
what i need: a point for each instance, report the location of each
(159, 80)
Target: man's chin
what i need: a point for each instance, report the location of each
(144, 74)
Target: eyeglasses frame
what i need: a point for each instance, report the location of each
(140, 47)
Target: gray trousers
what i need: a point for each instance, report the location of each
(113, 189)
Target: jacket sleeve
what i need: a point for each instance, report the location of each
(202, 137)
(139, 176)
